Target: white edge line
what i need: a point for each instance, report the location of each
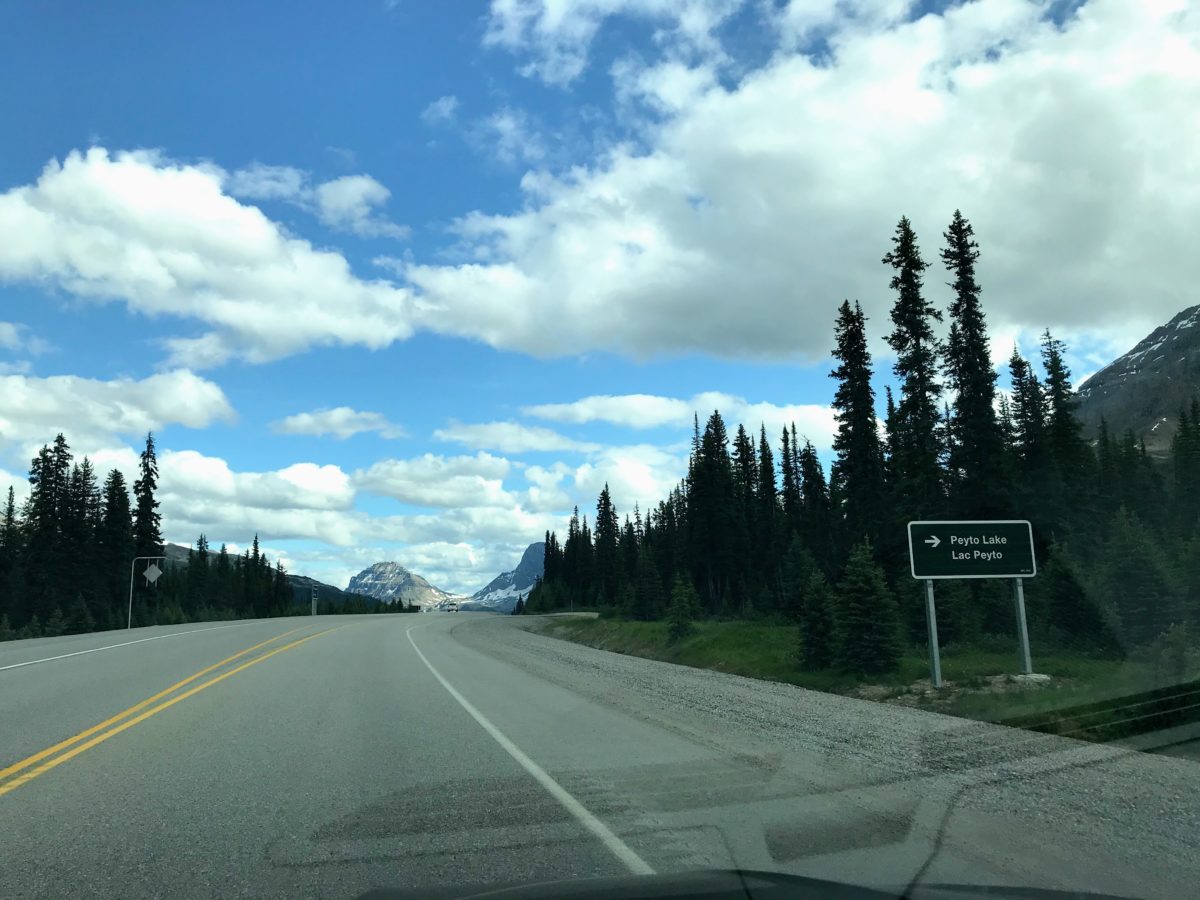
(615, 845)
(157, 637)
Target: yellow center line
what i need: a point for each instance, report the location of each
(99, 739)
(63, 744)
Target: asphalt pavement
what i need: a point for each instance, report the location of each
(326, 756)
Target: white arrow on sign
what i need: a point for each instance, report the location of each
(933, 541)
(152, 572)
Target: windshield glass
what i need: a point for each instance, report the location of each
(464, 446)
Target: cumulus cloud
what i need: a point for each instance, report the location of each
(166, 239)
(651, 411)
(440, 481)
(91, 412)
(510, 437)
(760, 205)
(511, 137)
(554, 38)
(17, 338)
(348, 204)
(345, 204)
(340, 422)
(441, 110)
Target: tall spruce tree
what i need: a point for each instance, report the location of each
(866, 619)
(976, 447)
(858, 463)
(919, 477)
(607, 562)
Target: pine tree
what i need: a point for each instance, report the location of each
(710, 516)
(682, 610)
(607, 562)
(858, 465)
(816, 624)
(1073, 617)
(790, 494)
(115, 540)
(1136, 575)
(147, 522)
(647, 596)
(767, 525)
(977, 447)
(917, 451)
(815, 519)
(147, 526)
(866, 619)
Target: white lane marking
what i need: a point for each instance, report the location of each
(157, 637)
(616, 846)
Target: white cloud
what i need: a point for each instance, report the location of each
(510, 437)
(555, 37)
(164, 238)
(345, 204)
(510, 136)
(341, 422)
(91, 413)
(642, 474)
(440, 481)
(759, 206)
(17, 338)
(650, 411)
(441, 110)
(348, 204)
(262, 182)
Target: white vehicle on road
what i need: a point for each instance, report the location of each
(451, 607)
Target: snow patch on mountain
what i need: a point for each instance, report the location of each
(390, 582)
(502, 592)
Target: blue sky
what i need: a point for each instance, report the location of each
(402, 280)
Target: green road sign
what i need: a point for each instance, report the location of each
(1000, 549)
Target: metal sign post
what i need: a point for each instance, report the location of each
(1022, 627)
(152, 574)
(972, 549)
(935, 656)
(314, 599)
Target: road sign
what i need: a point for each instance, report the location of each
(997, 549)
(152, 573)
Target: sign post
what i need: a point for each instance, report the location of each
(1022, 628)
(972, 549)
(935, 658)
(314, 599)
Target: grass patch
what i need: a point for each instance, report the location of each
(767, 650)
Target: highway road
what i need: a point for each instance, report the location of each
(327, 756)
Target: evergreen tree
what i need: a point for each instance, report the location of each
(682, 610)
(115, 539)
(858, 464)
(815, 519)
(865, 620)
(767, 524)
(710, 516)
(816, 624)
(1074, 618)
(147, 527)
(607, 562)
(977, 447)
(1136, 575)
(147, 522)
(917, 448)
(647, 595)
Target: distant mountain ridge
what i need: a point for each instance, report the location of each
(390, 582)
(501, 593)
(1145, 388)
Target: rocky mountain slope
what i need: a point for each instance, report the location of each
(1145, 389)
(501, 593)
(391, 582)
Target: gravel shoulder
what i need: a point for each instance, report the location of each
(1108, 818)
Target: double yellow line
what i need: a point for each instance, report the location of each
(19, 773)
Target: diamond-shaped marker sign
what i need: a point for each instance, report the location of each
(152, 573)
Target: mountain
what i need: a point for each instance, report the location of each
(501, 592)
(303, 588)
(1145, 389)
(390, 582)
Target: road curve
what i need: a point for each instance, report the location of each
(327, 756)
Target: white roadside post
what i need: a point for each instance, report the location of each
(314, 599)
(152, 574)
